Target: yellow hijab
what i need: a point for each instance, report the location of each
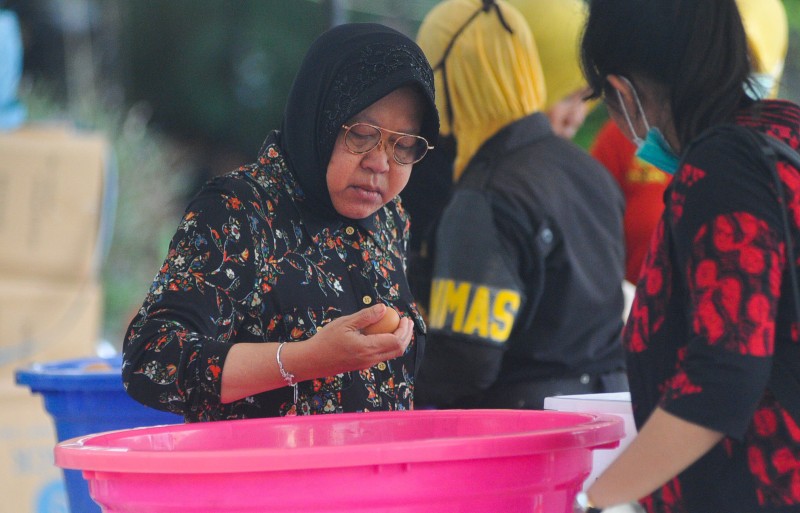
(557, 26)
(493, 77)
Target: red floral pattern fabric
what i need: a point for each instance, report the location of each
(707, 314)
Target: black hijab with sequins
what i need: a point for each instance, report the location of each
(347, 68)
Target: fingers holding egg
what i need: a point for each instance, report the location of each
(386, 324)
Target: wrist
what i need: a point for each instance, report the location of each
(287, 376)
(584, 505)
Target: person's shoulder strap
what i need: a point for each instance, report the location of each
(782, 149)
(784, 380)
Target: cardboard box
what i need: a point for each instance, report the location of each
(43, 322)
(52, 181)
(615, 403)
(39, 322)
(30, 482)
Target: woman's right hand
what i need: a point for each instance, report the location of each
(341, 345)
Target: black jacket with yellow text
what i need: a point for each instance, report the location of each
(527, 269)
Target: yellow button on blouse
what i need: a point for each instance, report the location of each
(349, 230)
(382, 366)
(366, 300)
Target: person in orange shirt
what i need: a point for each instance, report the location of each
(643, 184)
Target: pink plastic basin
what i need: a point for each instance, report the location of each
(390, 462)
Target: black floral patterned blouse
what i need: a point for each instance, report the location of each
(248, 263)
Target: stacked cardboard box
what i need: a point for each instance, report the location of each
(52, 180)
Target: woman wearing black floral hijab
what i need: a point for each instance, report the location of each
(278, 268)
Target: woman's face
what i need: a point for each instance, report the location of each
(361, 184)
(567, 116)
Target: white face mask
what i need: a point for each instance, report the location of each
(760, 85)
(638, 141)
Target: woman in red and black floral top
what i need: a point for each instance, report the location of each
(714, 302)
(278, 268)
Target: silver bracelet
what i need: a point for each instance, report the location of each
(627, 507)
(287, 376)
(583, 505)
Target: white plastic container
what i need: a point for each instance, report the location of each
(617, 403)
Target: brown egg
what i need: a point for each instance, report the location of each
(387, 324)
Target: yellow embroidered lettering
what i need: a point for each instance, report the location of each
(474, 310)
(506, 306)
(455, 302)
(477, 322)
(437, 314)
(449, 298)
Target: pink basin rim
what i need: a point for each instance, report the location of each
(159, 449)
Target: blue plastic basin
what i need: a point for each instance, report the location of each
(86, 396)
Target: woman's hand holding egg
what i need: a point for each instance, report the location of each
(386, 324)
